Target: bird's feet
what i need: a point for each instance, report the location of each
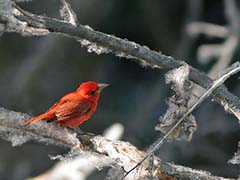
(79, 131)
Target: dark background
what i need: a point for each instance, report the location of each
(36, 71)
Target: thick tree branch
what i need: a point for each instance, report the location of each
(83, 165)
(128, 49)
(118, 152)
(235, 68)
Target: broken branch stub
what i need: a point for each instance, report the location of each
(178, 105)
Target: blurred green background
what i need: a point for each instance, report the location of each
(36, 71)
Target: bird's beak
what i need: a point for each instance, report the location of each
(102, 86)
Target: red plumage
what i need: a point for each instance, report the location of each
(73, 108)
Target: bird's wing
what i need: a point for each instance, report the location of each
(63, 100)
(72, 109)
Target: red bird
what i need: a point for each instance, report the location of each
(73, 108)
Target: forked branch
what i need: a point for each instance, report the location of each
(105, 43)
(116, 152)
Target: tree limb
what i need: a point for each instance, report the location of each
(235, 68)
(118, 152)
(82, 165)
(224, 52)
(124, 48)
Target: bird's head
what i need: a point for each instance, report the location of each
(91, 89)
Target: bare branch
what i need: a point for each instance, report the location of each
(120, 153)
(12, 24)
(232, 14)
(10, 129)
(178, 105)
(224, 52)
(128, 49)
(235, 68)
(83, 165)
(207, 29)
(67, 13)
(236, 158)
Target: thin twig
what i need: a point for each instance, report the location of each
(130, 50)
(67, 13)
(208, 29)
(119, 152)
(120, 47)
(235, 68)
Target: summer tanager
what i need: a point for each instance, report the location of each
(73, 108)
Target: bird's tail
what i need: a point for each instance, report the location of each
(44, 116)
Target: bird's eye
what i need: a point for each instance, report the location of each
(92, 92)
